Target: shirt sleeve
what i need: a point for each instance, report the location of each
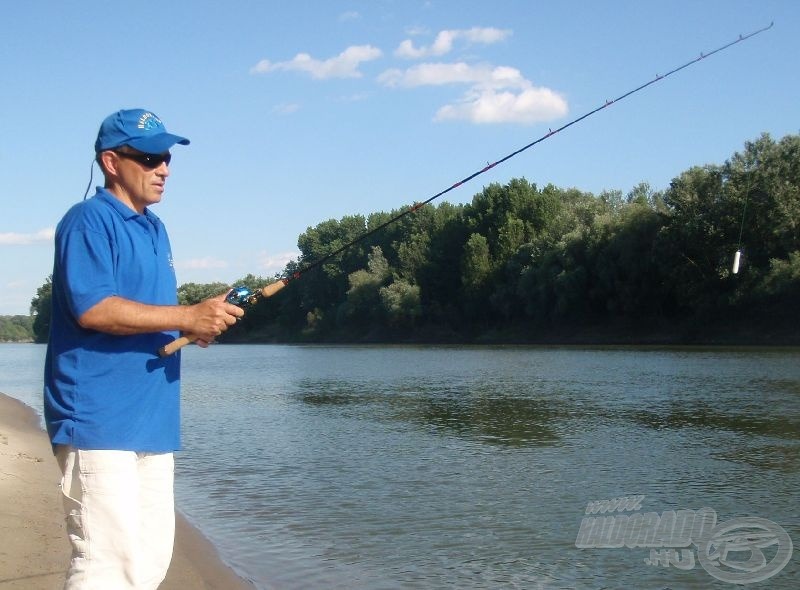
(87, 266)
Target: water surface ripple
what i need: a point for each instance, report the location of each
(394, 467)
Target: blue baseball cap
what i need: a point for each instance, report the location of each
(140, 129)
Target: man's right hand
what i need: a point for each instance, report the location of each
(212, 317)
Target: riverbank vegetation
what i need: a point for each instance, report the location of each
(16, 328)
(523, 263)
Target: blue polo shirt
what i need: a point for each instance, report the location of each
(103, 391)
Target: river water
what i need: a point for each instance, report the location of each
(393, 467)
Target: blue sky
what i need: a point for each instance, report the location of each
(303, 111)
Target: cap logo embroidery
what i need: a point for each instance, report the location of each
(148, 122)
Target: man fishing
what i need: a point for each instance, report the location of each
(111, 405)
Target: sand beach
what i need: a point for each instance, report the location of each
(34, 551)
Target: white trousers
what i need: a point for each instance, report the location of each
(120, 517)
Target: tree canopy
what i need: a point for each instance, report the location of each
(541, 261)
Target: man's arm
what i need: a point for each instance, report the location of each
(206, 320)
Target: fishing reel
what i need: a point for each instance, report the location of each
(242, 296)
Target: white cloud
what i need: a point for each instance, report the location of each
(209, 262)
(275, 263)
(15, 239)
(344, 65)
(407, 50)
(445, 40)
(416, 31)
(286, 108)
(439, 74)
(532, 105)
(349, 15)
(496, 94)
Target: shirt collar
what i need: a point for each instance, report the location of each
(124, 211)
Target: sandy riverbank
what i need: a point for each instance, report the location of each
(34, 551)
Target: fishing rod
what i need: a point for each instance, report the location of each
(243, 297)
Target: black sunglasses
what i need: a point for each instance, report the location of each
(151, 161)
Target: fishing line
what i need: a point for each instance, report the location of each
(738, 254)
(242, 296)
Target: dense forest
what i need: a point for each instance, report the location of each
(522, 263)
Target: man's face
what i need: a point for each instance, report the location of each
(140, 177)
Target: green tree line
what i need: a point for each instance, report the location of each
(528, 263)
(16, 328)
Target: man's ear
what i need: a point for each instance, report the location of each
(108, 161)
